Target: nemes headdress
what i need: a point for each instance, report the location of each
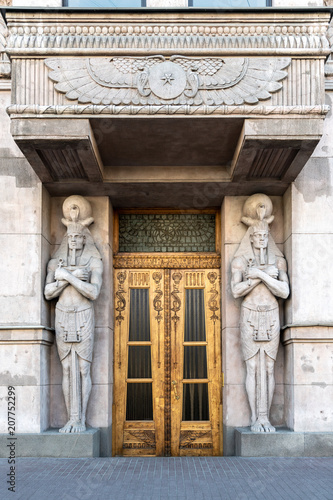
(257, 215)
(77, 217)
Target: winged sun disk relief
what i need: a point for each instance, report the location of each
(178, 80)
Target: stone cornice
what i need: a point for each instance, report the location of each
(84, 111)
(258, 33)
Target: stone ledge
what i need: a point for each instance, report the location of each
(283, 443)
(26, 335)
(53, 444)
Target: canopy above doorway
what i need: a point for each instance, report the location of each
(170, 108)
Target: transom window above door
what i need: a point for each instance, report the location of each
(165, 231)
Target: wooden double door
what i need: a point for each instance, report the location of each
(167, 363)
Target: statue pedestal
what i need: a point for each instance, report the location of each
(52, 443)
(282, 443)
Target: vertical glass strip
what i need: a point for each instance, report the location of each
(139, 323)
(195, 329)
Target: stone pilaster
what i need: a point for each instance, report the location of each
(308, 335)
(25, 336)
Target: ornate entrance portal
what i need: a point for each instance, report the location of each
(167, 355)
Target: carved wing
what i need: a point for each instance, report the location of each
(101, 80)
(235, 81)
(180, 80)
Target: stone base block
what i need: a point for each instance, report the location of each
(283, 443)
(53, 444)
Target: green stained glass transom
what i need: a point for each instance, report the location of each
(167, 233)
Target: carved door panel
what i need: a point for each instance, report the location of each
(167, 363)
(138, 416)
(196, 405)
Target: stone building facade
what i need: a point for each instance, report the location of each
(164, 113)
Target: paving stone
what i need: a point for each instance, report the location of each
(186, 478)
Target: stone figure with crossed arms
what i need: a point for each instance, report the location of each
(74, 275)
(259, 274)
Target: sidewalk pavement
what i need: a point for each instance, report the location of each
(227, 478)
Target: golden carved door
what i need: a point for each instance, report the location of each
(167, 362)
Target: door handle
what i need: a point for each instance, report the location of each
(174, 383)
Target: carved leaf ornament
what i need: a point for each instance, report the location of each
(177, 80)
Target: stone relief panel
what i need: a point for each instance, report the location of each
(74, 276)
(289, 99)
(154, 80)
(259, 277)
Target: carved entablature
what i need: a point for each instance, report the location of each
(197, 64)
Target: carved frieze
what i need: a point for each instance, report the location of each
(195, 35)
(178, 80)
(172, 261)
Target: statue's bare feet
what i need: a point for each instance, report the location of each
(268, 426)
(257, 427)
(67, 428)
(78, 427)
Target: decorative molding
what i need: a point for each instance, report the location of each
(173, 261)
(143, 439)
(175, 305)
(120, 306)
(188, 439)
(194, 279)
(158, 307)
(329, 74)
(213, 305)
(155, 80)
(166, 109)
(5, 67)
(167, 364)
(138, 38)
(145, 29)
(139, 279)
